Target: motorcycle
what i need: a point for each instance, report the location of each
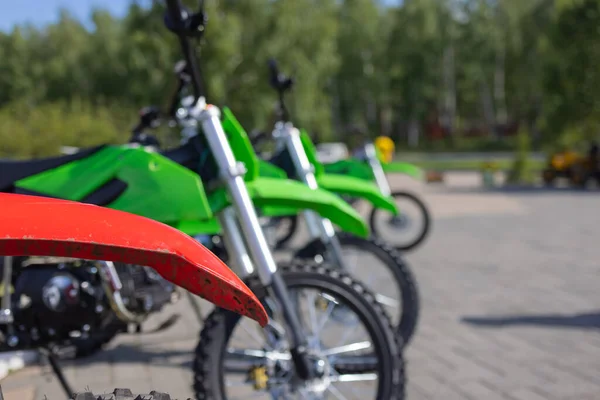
(295, 156)
(335, 247)
(207, 185)
(368, 164)
(37, 314)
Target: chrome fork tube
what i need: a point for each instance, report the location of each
(318, 226)
(6, 316)
(234, 243)
(232, 174)
(377, 168)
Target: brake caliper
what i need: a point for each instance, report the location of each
(259, 377)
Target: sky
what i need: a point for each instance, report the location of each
(43, 12)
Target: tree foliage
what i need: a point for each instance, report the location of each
(456, 67)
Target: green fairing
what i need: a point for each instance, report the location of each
(275, 195)
(280, 197)
(269, 170)
(403, 168)
(161, 189)
(157, 187)
(348, 184)
(311, 153)
(240, 144)
(288, 193)
(351, 167)
(357, 188)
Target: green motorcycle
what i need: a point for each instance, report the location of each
(293, 158)
(210, 184)
(393, 228)
(385, 220)
(368, 165)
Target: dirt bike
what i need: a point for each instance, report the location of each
(367, 164)
(337, 248)
(34, 315)
(209, 184)
(295, 156)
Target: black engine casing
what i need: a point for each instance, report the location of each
(54, 301)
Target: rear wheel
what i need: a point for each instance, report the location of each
(380, 266)
(233, 361)
(407, 230)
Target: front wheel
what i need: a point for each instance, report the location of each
(357, 356)
(407, 230)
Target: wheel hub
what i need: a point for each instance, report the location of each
(399, 221)
(322, 371)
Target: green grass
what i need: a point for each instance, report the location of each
(471, 165)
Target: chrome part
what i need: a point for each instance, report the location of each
(235, 243)
(112, 287)
(232, 175)
(12, 341)
(378, 173)
(48, 260)
(6, 316)
(289, 137)
(274, 358)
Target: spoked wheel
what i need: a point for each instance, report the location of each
(380, 268)
(407, 230)
(356, 357)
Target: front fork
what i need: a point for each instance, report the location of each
(242, 230)
(377, 168)
(318, 226)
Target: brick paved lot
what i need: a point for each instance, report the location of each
(510, 286)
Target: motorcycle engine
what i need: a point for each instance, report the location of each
(58, 301)
(144, 290)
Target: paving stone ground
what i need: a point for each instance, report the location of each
(510, 285)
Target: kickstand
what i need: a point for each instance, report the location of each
(56, 368)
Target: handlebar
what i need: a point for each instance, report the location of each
(279, 81)
(282, 84)
(185, 24)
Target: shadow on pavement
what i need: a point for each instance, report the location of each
(127, 353)
(589, 320)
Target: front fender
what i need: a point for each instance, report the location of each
(357, 188)
(36, 226)
(351, 167)
(277, 197)
(403, 168)
(266, 169)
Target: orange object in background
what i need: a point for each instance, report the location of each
(386, 148)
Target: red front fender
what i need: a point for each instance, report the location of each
(36, 226)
